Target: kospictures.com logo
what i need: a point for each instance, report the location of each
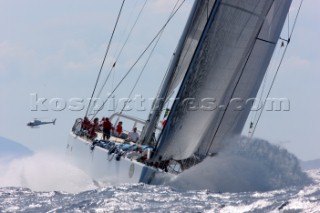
(138, 103)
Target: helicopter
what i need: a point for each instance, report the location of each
(37, 122)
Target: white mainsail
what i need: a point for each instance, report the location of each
(226, 69)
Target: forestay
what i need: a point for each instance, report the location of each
(226, 69)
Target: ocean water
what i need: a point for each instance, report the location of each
(147, 198)
(246, 176)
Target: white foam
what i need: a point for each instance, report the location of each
(244, 165)
(44, 172)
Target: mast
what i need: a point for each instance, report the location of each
(151, 124)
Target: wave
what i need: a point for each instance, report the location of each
(244, 165)
(44, 172)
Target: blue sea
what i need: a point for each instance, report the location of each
(245, 177)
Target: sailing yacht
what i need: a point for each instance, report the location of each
(220, 61)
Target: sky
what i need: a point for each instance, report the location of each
(53, 50)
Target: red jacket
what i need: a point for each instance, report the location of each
(119, 129)
(107, 125)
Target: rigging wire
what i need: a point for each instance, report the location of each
(127, 26)
(123, 35)
(288, 25)
(140, 56)
(140, 74)
(119, 54)
(146, 63)
(105, 56)
(272, 66)
(277, 71)
(121, 50)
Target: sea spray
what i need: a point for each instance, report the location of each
(241, 165)
(244, 165)
(44, 172)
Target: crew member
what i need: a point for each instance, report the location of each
(107, 126)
